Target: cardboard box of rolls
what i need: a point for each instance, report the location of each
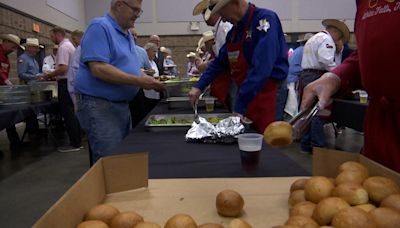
(116, 192)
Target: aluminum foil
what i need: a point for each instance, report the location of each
(224, 132)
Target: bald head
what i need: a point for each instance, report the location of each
(155, 40)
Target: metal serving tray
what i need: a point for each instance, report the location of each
(183, 102)
(178, 88)
(175, 126)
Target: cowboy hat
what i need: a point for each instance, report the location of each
(306, 37)
(207, 36)
(12, 38)
(32, 42)
(219, 5)
(340, 25)
(55, 46)
(191, 55)
(166, 50)
(200, 7)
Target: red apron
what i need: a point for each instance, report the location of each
(382, 132)
(262, 109)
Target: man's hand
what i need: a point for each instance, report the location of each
(147, 82)
(8, 82)
(194, 95)
(323, 89)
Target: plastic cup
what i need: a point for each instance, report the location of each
(250, 145)
(363, 97)
(209, 104)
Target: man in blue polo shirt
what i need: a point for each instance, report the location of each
(109, 76)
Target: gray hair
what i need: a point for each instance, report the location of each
(150, 46)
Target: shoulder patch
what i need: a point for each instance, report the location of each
(263, 25)
(329, 46)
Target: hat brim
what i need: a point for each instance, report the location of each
(32, 45)
(341, 26)
(200, 7)
(4, 37)
(219, 6)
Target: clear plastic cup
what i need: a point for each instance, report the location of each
(209, 104)
(363, 97)
(250, 145)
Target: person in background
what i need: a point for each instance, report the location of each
(208, 40)
(292, 101)
(10, 43)
(142, 54)
(137, 105)
(371, 67)
(63, 58)
(152, 97)
(318, 58)
(109, 77)
(220, 27)
(76, 37)
(73, 65)
(159, 59)
(220, 30)
(28, 68)
(29, 72)
(342, 52)
(169, 64)
(191, 70)
(254, 56)
(49, 62)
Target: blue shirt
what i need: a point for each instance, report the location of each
(266, 54)
(73, 68)
(105, 41)
(295, 65)
(28, 67)
(144, 62)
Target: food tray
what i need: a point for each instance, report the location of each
(187, 120)
(178, 88)
(183, 102)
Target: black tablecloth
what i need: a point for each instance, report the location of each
(171, 157)
(10, 115)
(349, 113)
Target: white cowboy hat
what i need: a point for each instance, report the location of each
(207, 36)
(166, 50)
(219, 4)
(13, 38)
(340, 25)
(32, 42)
(191, 55)
(306, 37)
(200, 7)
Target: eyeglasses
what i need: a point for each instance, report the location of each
(137, 11)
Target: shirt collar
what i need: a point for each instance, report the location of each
(63, 41)
(116, 25)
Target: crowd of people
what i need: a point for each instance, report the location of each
(243, 60)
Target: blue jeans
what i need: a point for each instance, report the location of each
(315, 136)
(106, 124)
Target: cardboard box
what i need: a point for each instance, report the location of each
(122, 181)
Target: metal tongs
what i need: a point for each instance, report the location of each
(301, 122)
(196, 115)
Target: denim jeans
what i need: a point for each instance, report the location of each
(315, 136)
(106, 123)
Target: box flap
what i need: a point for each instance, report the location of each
(69, 210)
(326, 161)
(376, 169)
(125, 172)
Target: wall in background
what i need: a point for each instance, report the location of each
(68, 14)
(173, 17)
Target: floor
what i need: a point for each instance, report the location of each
(32, 180)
